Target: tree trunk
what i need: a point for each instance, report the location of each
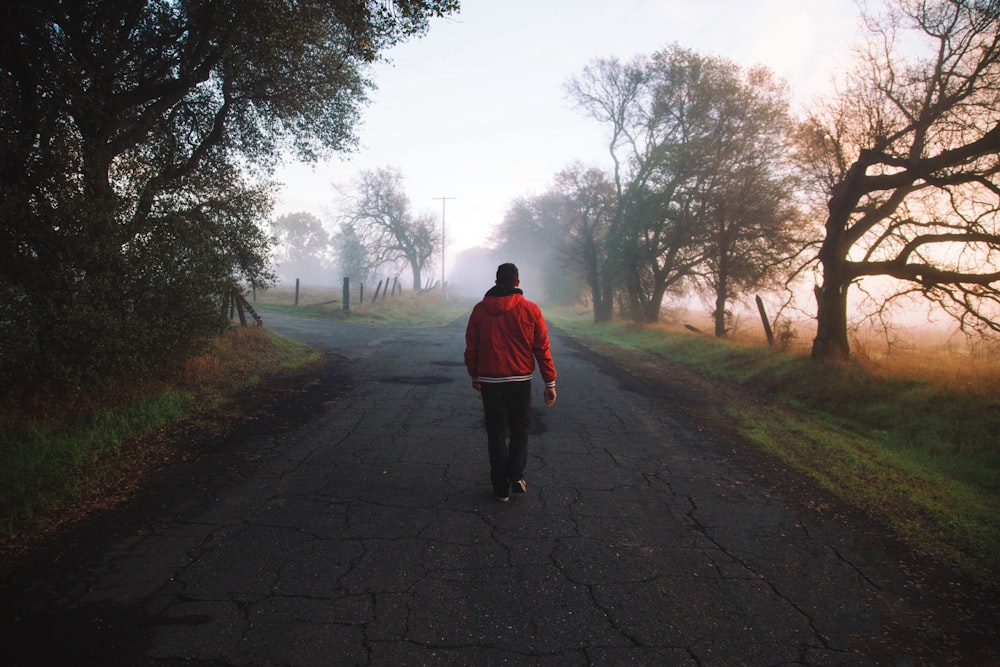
(720, 315)
(604, 306)
(831, 342)
(594, 279)
(651, 308)
(721, 297)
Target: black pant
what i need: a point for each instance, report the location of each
(507, 405)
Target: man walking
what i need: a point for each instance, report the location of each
(505, 336)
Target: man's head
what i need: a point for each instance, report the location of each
(507, 276)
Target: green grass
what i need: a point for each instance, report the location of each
(52, 462)
(917, 455)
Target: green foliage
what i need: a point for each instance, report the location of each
(546, 233)
(135, 141)
(700, 191)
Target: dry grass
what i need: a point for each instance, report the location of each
(934, 355)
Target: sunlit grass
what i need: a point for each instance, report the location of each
(912, 444)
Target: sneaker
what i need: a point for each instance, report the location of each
(519, 486)
(501, 498)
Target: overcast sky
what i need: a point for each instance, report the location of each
(476, 109)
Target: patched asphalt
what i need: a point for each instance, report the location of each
(353, 524)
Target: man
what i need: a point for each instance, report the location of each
(505, 336)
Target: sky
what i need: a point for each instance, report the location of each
(476, 110)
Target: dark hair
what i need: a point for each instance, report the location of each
(507, 275)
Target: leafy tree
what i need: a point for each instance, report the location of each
(525, 235)
(589, 201)
(663, 112)
(303, 248)
(532, 235)
(611, 92)
(907, 157)
(379, 213)
(692, 138)
(351, 255)
(135, 140)
(751, 220)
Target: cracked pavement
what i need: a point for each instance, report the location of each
(359, 529)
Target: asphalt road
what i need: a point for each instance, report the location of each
(354, 525)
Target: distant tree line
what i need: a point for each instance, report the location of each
(376, 232)
(700, 194)
(716, 189)
(137, 139)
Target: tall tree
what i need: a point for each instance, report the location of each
(135, 140)
(379, 212)
(908, 156)
(534, 233)
(611, 92)
(303, 248)
(351, 255)
(751, 219)
(589, 200)
(672, 124)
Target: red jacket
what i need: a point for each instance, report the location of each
(506, 334)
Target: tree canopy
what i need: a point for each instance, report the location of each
(303, 249)
(691, 138)
(907, 159)
(136, 138)
(379, 216)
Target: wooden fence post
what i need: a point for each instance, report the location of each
(296, 291)
(239, 308)
(347, 294)
(767, 325)
(238, 303)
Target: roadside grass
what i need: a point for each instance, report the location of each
(408, 309)
(915, 448)
(66, 454)
(912, 444)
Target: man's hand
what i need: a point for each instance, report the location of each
(476, 385)
(550, 396)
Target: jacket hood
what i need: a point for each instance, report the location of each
(500, 299)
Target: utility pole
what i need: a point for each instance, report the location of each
(443, 202)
